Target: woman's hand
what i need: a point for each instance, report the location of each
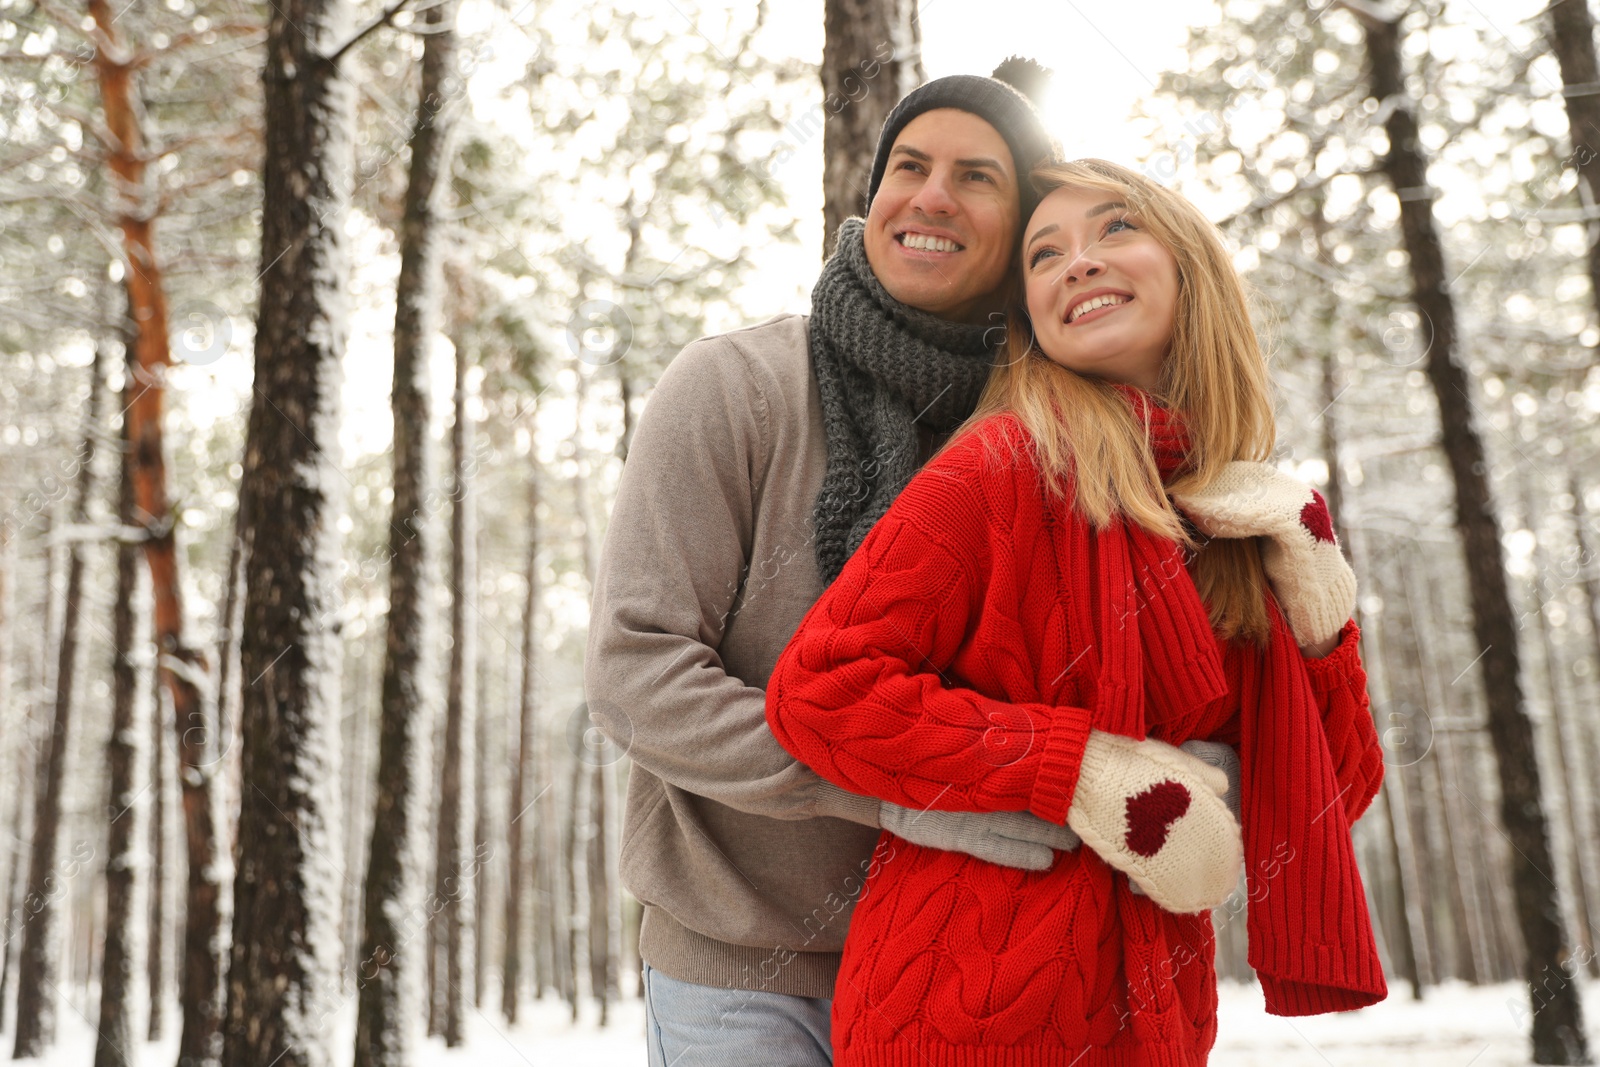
(1157, 814)
(1315, 586)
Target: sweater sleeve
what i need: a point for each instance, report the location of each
(864, 694)
(675, 555)
(1340, 684)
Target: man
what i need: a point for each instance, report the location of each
(761, 461)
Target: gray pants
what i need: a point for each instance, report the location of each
(689, 1025)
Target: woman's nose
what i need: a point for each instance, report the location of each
(1084, 266)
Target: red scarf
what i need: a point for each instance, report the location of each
(1299, 858)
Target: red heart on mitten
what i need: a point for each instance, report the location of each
(1151, 813)
(1315, 518)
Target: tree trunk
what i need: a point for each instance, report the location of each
(156, 942)
(15, 882)
(1591, 595)
(597, 780)
(229, 692)
(488, 755)
(182, 667)
(358, 806)
(388, 1006)
(575, 887)
(1562, 742)
(871, 57)
(1468, 934)
(452, 865)
(1416, 963)
(37, 993)
(605, 897)
(283, 980)
(116, 1046)
(552, 969)
(11, 721)
(1557, 1014)
(1572, 40)
(517, 831)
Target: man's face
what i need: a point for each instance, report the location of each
(941, 231)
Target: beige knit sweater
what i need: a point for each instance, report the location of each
(707, 569)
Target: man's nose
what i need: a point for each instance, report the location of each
(936, 197)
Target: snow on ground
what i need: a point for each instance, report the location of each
(1455, 1026)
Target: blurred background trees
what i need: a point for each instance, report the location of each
(611, 181)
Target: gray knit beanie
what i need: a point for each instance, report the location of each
(1011, 113)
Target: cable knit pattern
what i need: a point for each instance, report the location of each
(959, 663)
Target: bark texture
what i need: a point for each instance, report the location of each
(283, 988)
(395, 938)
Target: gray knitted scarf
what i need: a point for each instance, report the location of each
(882, 368)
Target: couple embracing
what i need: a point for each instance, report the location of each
(968, 647)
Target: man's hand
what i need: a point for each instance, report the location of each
(1010, 838)
(1224, 758)
(1157, 814)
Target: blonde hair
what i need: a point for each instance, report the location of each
(1086, 436)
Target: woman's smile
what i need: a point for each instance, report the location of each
(1095, 304)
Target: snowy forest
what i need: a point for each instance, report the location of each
(323, 330)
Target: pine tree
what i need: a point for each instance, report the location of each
(38, 970)
(117, 1045)
(387, 976)
(282, 983)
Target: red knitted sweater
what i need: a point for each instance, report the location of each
(958, 663)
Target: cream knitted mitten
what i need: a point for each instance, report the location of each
(1157, 814)
(1315, 586)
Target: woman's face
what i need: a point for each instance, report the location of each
(1102, 293)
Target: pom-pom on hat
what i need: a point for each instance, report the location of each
(998, 100)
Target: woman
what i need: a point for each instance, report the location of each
(1033, 625)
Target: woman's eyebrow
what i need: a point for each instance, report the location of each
(1043, 231)
(1103, 208)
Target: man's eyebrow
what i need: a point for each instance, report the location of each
(981, 161)
(1043, 231)
(918, 154)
